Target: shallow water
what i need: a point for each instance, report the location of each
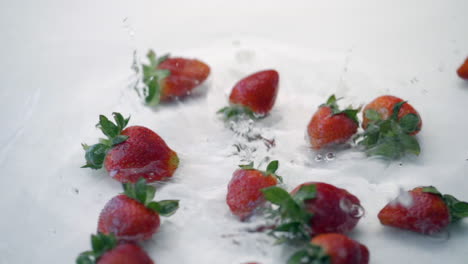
(55, 205)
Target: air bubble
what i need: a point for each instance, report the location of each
(319, 157)
(330, 156)
(354, 210)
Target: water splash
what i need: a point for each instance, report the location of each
(353, 209)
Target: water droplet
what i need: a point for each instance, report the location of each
(330, 156)
(354, 210)
(319, 157)
(76, 190)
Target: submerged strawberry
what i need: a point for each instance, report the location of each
(427, 211)
(313, 208)
(105, 250)
(330, 125)
(463, 70)
(132, 153)
(133, 215)
(331, 249)
(390, 125)
(254, 95)
(244, 195)
(166, 78)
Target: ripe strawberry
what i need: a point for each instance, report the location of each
(427, 212)
(254, 95)
(330, 125)
(390, 125)
(105, 250)
(166, 78)
(463, 70)
(244, 195)
(314, 208)
(133, 216)
(132, 153)
(332, 249)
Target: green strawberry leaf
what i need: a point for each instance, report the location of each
(458, 209)
(409, 123)
(165, 207)
(249, 166)
(311, 254)
(306, 192)
(100, 244)
(352, 114)
(152, 77)
(95, 155)
(236, 111)
(409, 144)
(431, 189)
(372, 115)
(272, 167)
(396, 110)
(276, 195)
(349, 112)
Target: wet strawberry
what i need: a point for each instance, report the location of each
(383, 107)
(390, 125)
(331, 248)
(254, 95)
(132, 153)
(105, 250)
(166, 78)
(244, 195)
(426, 212)
(133, 216)
(330, 125)
(313, 208)
(463, 70)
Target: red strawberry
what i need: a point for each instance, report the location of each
(463, 70)
(105, 250)
(166, 78)
(384, 106)
(427, 211)
(133, 216)
(330, 125)
(332, 249)
(254, 95)
(244, 194)
(390, 125)
(131, 154)
(314, 208)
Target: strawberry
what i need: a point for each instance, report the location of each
(331, 248)
(330, 125)
(131, 153)
(427, 211)
(254, 95)
(166, 78)
(313, 208)
(105, 250)
(244, 194)
(133, 216)
(463, 70)
(390, 125)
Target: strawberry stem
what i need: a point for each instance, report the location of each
(458, 209)
(237, 111)
(152, 76)
(100, 244)
(96, 153)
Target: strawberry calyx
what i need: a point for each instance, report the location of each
(349, 111)
(310, 254)
(100, 244)
(144, 194)
(152, 76)
(95, 154)
(271, 169)
(458, 209)
(291, 217)
(236, 111)
(390, 138)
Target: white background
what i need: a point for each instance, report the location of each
(62, 63)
